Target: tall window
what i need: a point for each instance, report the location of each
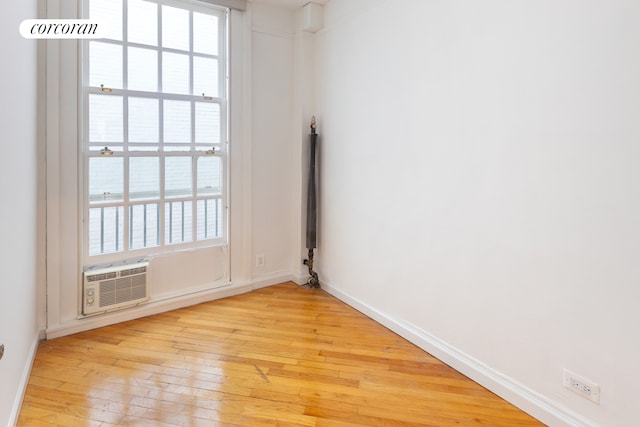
(155, 127)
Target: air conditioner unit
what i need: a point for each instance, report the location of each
(115, 286)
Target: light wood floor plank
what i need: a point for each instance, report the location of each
(280, 356)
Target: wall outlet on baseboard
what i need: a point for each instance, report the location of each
(580, 385)
(260, 260)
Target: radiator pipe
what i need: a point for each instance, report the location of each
(312, 208)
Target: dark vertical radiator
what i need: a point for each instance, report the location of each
(312, 207)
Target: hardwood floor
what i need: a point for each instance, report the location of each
(279, 356)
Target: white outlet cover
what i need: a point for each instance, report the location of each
(594, 388)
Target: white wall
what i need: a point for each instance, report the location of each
(18, 214)
(273, 163)
(480, 187)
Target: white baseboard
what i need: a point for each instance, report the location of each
(162, 305)
(272, 279)
(167, 303)
(301, 279)
(24, 379)
(539, 406)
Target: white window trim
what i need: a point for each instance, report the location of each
(85, 154)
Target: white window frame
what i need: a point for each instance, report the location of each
(195, 152)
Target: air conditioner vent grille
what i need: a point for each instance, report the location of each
(103, 276)
(122, 290)
(131, 271)
(116, 288)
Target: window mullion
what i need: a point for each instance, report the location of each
(161, 201)
(161, 153)
(127, 220)
(191, 52)
(127, 206)
(194, 187)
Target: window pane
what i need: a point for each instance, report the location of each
(207, 123)
(105, 179)
(105, 118)
(178, 222)
(143, 120)
(144, 178)
(143, 22)
(144, 231)
(177, 177)
(175, 28)
(209, 175)
(209, 220)
(205, 76)
(205, 33)
(106, 230)
(175, 73)
(105, 65)
(108, 12)
(143, 69)
(177, 121)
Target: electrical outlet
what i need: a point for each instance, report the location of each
(581, 386)
(260, 260)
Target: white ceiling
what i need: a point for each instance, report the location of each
(290, 4)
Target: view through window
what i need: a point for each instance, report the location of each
(155, 127)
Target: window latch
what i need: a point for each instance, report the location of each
(106, 152)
